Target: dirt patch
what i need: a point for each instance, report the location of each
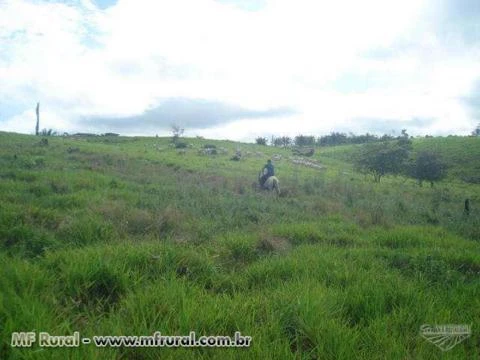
(273, 244)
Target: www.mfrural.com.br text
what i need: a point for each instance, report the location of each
(45, 340)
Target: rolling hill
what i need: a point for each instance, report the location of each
(130, 235)
(460, 154)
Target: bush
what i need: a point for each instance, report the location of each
(181, 145)
(48, 132)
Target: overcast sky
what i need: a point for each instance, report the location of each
(239, 69)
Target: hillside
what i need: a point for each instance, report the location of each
(128, 236)
(460, 154)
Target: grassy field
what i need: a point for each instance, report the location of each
(128, 236)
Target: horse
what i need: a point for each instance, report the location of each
(270, 184)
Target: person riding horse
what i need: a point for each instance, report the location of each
(267, 179)
(268, 171)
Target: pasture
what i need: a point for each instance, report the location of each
(128, 236)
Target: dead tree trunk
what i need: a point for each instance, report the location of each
(37, 127)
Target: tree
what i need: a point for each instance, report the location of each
(286, 141)
(283, 141)
(302, 140)
(404, 140)
(386, 137)
(177, 131)
(383, 158)
(476, 132)
(427, 166)
(335, 138)
(361, 139)
(261, 140)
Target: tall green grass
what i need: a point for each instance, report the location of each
(118, 238)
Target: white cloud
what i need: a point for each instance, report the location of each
(80, 61)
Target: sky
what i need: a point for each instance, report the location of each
(233, 69)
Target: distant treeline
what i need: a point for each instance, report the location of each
(333, 139)
(51, 132)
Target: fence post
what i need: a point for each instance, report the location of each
(466, 210)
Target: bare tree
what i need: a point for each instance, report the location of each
(37, 127)
(177, 131)
(286, 141)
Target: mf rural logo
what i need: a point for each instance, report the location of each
(445, 337)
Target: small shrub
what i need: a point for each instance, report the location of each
(47, 132)
(43, 142)
(181, 145)
(471, 179)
